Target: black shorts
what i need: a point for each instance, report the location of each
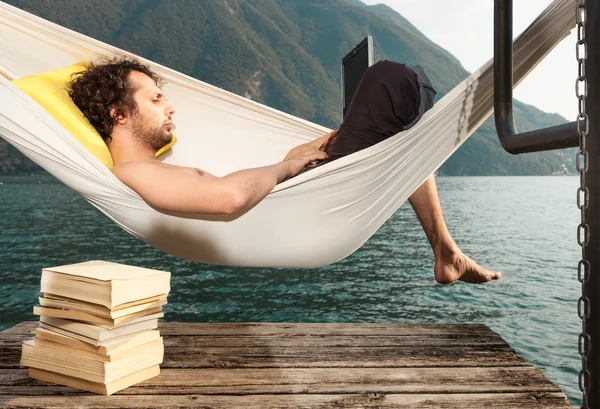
(390, 98)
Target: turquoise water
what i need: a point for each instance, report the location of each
(524, 227)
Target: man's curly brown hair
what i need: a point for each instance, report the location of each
(106, 85)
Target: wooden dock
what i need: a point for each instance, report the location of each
(280, 365)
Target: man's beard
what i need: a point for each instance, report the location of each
(153, 137)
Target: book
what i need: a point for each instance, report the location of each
(105, 283)
(84, 339)
(95, 387)
(107, 348)
(55, 301)
(100, 332)
(96, 355)
(91, 318)
(86, 368)
(98, 326)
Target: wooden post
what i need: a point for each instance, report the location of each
(592, 290)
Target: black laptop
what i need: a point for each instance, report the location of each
(353, 65)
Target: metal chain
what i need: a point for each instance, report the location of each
(583, 197)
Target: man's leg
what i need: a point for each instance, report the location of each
(387, 101)
(450, 262)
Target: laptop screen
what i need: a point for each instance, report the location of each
(353, 65)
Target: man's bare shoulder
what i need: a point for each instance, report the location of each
(125, 167)
(131, 172)
(136, 169)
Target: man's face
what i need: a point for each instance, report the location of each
(152, 123)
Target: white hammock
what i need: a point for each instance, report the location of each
(314, 219)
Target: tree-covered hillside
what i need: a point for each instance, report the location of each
(285, 54)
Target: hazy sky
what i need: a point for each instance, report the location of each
(466, 29)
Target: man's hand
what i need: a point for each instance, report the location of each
(319, 144)
(298, 161)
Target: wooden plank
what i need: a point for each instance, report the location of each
(309, 341)
(325, 329)
(21, 328)
(338, 357)
(318, 401)
(268, 329)
(334, 341)
(320, 380)
(266, 357)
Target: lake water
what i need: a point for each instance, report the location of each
(524, 227)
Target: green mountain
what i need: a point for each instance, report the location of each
(286, 54)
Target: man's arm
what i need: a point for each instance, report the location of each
(167, 189)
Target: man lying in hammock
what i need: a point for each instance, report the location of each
(123, 100)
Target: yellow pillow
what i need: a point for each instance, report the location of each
(167, 146)
(50, 91)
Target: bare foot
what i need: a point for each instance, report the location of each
(460, 267)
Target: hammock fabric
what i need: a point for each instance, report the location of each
(314, 219)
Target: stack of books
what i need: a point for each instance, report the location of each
(98, 326)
